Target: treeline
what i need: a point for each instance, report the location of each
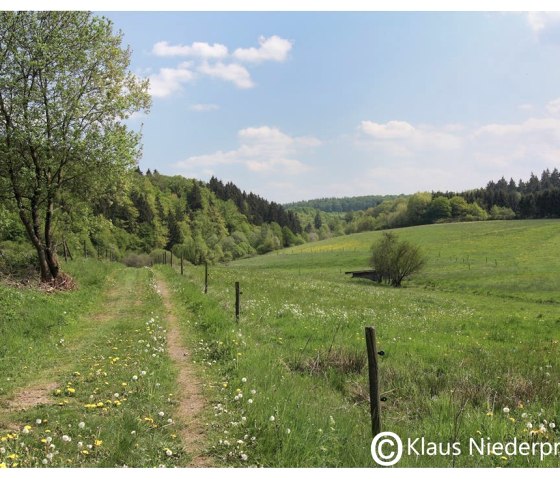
(150, 212)
(535, 198)
(341, 205)
(500, 200)
(257, 209)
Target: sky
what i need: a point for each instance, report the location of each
(301, 105)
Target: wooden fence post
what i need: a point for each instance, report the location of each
(171, 256)
(237, 294)
(375, 403)
(181, 264)
(205, 277)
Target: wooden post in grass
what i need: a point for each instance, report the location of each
(205, 277)
(237, 294)
(165, 257)
(375, 403)
(171, 257)
(85, 250)
(181, 264)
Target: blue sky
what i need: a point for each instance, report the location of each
(298, 105)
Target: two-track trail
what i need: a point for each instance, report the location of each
(115, 374)
(190, 398)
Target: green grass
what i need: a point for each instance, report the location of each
(115, 389)
(476, 332)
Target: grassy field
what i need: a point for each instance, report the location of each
(471, 351)
(88, 382)
(472, 347)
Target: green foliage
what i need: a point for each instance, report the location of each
(396, 260)
(62, 136)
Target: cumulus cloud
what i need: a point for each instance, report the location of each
(214, 60)
(403, 157)
(232, 72)
(262, 149)
(196, 49)
(203, 107)
(273, 48)
(170, 80)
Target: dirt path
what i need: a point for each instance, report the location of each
(118, 297)
(190, 397)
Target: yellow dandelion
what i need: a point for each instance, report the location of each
(85, 452)
(2, 465)
(98, 442)
(489, 413)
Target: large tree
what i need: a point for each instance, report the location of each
(65, 91)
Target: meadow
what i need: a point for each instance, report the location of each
(471, 347)
(471, 351)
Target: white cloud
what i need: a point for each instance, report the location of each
(400, 138)
(402, 157)
(170, 80)
(273, 48)
(546, 25)
(261, 149)
(203, 107)
(232, 72)
(197, 49)
(553, 107)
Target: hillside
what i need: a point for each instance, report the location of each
(151, 212)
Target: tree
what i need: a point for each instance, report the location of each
(65, 89)
(396, 259)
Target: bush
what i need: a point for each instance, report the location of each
(17, 259)
(396, 259)
(135, 260)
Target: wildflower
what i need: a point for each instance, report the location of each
(2, 465)
(244, 457)
(2, 450)
(288, 431)
(489, 413)
(98, 442)
(80, 445)
(116, 395)
(135, 378)
(170, 421)
(529, 425)
(243, 380)
(506, 410)
(168, 452)
(524, 415)
(142, 373)
(50, 456)
(253, 391)
(44, 462)
(331, 421)
(272, 419)
(26, 429)
(85, 452)
(66, 438)
(161, 414)
(250, 401)
(38, 421)
(133, 432)
(552, 425)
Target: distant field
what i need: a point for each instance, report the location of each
(478, 331)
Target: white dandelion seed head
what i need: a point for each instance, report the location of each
(506, 410)
(81, 425)
(272, 419)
